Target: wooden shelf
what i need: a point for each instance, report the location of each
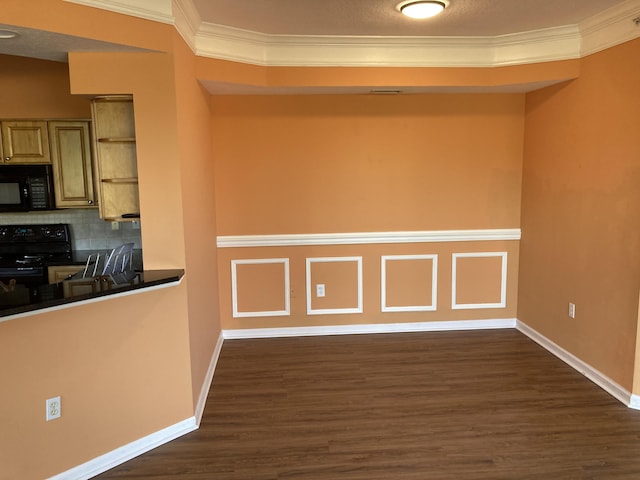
(117, 140)
(119, 180)
(116, 163)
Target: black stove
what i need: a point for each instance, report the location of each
(26, 250)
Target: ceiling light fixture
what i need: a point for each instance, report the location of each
(421, 10)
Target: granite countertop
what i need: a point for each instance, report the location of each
(23, 299)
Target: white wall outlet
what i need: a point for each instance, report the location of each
(115, 225)
(320, 290)
(54, 409)
(572, 310)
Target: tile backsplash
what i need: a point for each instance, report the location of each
(88, 231)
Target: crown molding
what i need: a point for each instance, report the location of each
(551, 44)
(604, 30)
(187, 21)
(155, 10)
(227, 43)
(610, 28)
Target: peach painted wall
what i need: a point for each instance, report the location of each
(199, 214)
(346, 163)
(223, 71)
(141, 358)
(110, 362)
(60, 16)
(362, 163)
(581, 213)
(33, 88)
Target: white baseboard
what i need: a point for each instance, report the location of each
(120, 455)
(634, 402)
(600, 379)
(369, 328)
(206, 385)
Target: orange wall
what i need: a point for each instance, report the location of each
(349, 163)
(33, 88)
(199, 218)
(141, 359)
(110, 362)
(581, 212)
(466, 77)
(326, 164)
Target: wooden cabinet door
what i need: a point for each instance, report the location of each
(25, 141)
(72, 166)
(58, 273)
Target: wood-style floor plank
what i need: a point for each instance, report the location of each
(437, 406)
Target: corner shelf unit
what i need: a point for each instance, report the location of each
(116, 160)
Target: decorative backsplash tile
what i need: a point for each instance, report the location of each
(88, 231)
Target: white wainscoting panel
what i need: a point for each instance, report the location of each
(433, 306)
(503, 284)
(234, 288)
(333, 311)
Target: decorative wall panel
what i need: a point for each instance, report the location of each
(260, 287)
(409, 283)
(340, 280)
(479, 280)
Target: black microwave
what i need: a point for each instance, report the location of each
(26, 187)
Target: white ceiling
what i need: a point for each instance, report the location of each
(52, 46)
(381, 18)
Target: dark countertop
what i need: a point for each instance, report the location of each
(28, 299)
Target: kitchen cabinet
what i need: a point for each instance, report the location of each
(91, 285)
(115, 161)
(25, 141)
(72, 164)
(58, 273)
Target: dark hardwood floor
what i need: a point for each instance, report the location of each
(436, 406)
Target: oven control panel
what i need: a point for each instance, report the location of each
(48, 233)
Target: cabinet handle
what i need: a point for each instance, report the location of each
(90, 202)
(7, 159)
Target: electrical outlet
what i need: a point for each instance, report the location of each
(115, 225)
(572, 310)
(54, 409)
(320, 290)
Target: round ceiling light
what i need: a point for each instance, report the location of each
(415, 9)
